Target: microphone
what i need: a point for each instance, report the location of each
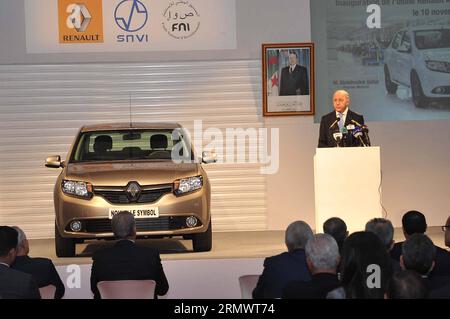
(365, 131)
(335, 122)
(358, 134)
(337, 137)
(356, 123)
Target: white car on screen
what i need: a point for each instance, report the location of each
(419, 58)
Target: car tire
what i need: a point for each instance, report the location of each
(391, 87)
(65, 247)
(203, 241)
(418, 97)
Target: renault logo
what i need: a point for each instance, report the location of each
(133, 191)
(79, 17)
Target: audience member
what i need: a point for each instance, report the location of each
(42, 269)
(414, 222)
(361, 252)
(14, 284)
(418, 254)
(286, 267)
(336, 228)
(407, 284)
(125, 260)
(322, 258)
(446, 229)
(385, 232)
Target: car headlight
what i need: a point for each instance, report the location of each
(188, 185)
(439, 66)
(75, 188)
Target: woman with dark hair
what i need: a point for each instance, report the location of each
(365, 266)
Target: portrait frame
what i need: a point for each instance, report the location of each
(286, 92)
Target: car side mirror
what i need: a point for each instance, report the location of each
(53, 161)
(209, 157)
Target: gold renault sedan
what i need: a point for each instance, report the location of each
(150, 170)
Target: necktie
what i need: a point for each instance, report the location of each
(341, 121)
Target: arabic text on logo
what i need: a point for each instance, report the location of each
(181, 20)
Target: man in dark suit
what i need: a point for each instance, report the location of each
(14, 284)
(294, 78)
(127, 261)
(285, 267)
(384, 230)
(419, 254)
(322, 257)
(414, 222)
(336, 127)
(42, 269)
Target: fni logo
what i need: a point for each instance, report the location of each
(131, 16)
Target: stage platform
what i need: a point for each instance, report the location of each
(208, 275)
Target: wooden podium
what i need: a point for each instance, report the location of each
(347, 184)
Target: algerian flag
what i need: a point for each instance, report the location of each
(272, 73)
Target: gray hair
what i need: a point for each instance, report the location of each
(383, 229)
(123, 225)
(21, 237)
(342, 92)
(323, 252)
(297, 235)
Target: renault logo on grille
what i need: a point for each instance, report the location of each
(133, 190)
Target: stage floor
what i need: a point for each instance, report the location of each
(226, 245)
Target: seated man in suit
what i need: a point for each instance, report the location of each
(322, 258)
(336, 228)
(14, 284)
(407, 284)
(126, 260)
(384, 230)
(285, 267)
(418, 254)
(446, 229)
(42, 269)
(414, 222)
(336, 126)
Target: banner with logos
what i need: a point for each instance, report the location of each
(58, 26)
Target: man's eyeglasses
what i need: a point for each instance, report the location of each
(445, 228)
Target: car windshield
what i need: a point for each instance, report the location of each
(126, 145)
(432, 39)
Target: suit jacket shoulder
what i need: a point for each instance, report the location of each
(17, 285)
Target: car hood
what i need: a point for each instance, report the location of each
(437, 55)
(119, 174)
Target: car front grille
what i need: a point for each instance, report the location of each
(145, 224)
(118, 195)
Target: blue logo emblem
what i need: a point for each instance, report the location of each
(131, 15)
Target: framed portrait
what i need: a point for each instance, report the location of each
(288, 79)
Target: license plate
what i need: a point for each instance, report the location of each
(150, 212)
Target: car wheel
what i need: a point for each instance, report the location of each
(418, 97)
(65, 247)
(203, 241)
(391, 87)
